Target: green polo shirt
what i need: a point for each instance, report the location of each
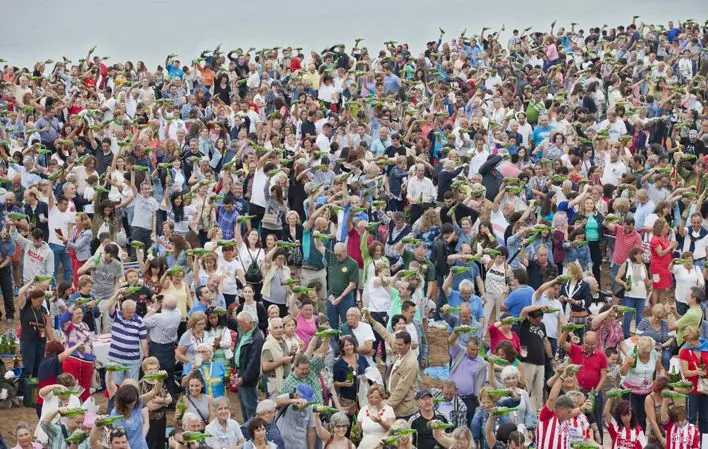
(426, 266)
(340, 274)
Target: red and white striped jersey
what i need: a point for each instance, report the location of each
(577, 428)
(551, 432)
(626, 438)
(685, 437)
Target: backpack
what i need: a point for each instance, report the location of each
(253, 273)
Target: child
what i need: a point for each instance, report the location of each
(575, 252)
(157, 406)
(57, 307)
(52, 403)
(613, 374)
(679, 432)
(581, 426)
(90, 195)
(486, 403)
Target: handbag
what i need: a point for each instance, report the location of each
(270, 220)
(617, 289)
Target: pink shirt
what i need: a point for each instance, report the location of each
(305, 329)
(552, 52)
(496, 337)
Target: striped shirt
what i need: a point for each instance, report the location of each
(163, 326)
(578, 428)
(626, 438)
(685, 437)
(551, 432)
(125, 339)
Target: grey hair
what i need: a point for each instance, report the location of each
(575, 394)
(274, 320)
(509, 371)
(66, 186)
(205, 347)
(463, 432)
(245, 316)
(222, 400)
(340, 246)
(564, 402)
(189, 417)
(339, 419)
(128, 302)
(449, 383)
(265, 406)
(466, 284)
(300, 358)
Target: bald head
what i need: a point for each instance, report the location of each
(169, 302)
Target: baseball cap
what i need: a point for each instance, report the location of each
(423, 393)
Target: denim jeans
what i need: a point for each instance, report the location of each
(697, 411)
(132, 373)
(248, 399)
(636, 303)
(61, 256)
(338, 313)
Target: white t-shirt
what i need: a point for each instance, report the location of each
(258, 193)
(228, 271)
(550, 320)
(685, 279)
(111, 105)
(59, 220)
(362, 333)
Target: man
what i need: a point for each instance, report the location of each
(465, 295)
(448, 403)
(694, 239)
(552, 431)
(425, 266)
(275, 358)
(521, 294)
(162, 324)
(362, 332)
(205, 298)
(532, 332)
(593, 371)
(7, 252)
(247, 358)
(144, 224)
(128, 338)
(419, 421)
(106, 272)
(644, 207)
(403, 378)
(421, 192)
(614, 168)
(38, 257)
(223, 436)
(322, 141)
(468, 371)
(538, 268)
(296, 422)
(626, 238)
(413, 327)
(343, 278)
(214, 285)
(313, 262)
(61, 223)
(465, 318)
(306, 368)
(542, 131)
(266, 411)
(547, 295)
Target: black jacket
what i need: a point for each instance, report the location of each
(249, 361)
(491, 178)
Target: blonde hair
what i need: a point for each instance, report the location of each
(646, 343)
(83, 220)
(691, 333)
(148, 361)
(195, 318)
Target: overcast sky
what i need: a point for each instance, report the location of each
(150, 29)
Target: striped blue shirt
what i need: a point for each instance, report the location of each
(125, 339)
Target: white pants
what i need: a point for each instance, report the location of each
(534, 383)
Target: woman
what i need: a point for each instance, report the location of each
(212, 372)
(176, 252)
(193, 337)
(694, 357)
(202, 268)
(225, 432)
(687, 275)
(639, 375)
(173, 284)
(632, 276)
(257, 429)
(153, 269)
(622, 423)
(578, 296)
(590, 220)
(157, 406)
(79, 245)
(304, 317)
(292, 233)
(375, 418)
(347, 371)
(217, 332)
(495, 282)
(652, 409)
(292, 341)
(52, 401)
(105, 221)
(510, 377)
(36, 327)
(251, 257)
(276, 208)
(661, 250)
(608, 329)
(275, 271)
(460, 438)
(51, 367)
(178, 213)
(506, 351)
(656, 327)
(337, 438)
(81, 362)
(230, 269)
(693, 317)
(499, 331)
(195, 400)
(403, 442)
(135, 419)
(256, 309)
(25, 437)
(379, 291)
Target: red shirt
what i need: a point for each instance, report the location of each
(496, 337)
(624, 244)
(686, 437)
(550, 433)
(354, 246)
(693, 364)
(626, 438)
(589, 375)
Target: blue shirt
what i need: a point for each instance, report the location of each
(541, 133)
(7, 248)
(475, 303)
(518, 299)
(391, 83)
(213, 374)
(174, 72)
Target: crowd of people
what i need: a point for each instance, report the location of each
(290, 229)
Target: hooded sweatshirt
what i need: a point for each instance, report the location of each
(37, 261)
